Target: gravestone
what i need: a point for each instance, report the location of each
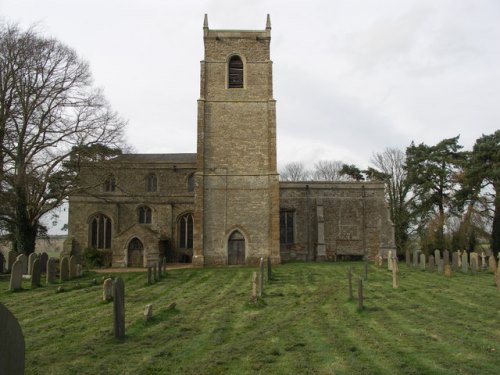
(446, 257)
(465, 262)
(460, 259)
(51, 270)
(415, 258)
(11, 344)
(119, 308)
(107, 290)
(148, 311)
(349, 283)
(492, 264)
(484, 265)
(254, 287)
(24, 262)
(44, 257)
(11, 258)
(269, 269)
(455, 261)
(261, 277)
(447, 270)
(150, 276)
(16, 276)
(441, 265)
(473, 265)
(422, 261)
(437, 256)
(407, 257)
(31, 259)
(389, 260)
(72, 267)
(394, 273)
(36, 273)
(2, 262)
(64, 269)
(431, 262)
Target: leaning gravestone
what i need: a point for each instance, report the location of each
(107, 290)
(119, 308)
(465, 262)
(31, 259)
(72, 267)
(51, 270)
(454, 261)
(446, 257)
(64, 271)
(11, 258)
(24, 261)
(422, 261)
(11, 344)
(36, 273)
(44, 257)
(16, 276)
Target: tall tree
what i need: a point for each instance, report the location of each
(48, 112)
(433, 174)
(294, 171)
(328, 170)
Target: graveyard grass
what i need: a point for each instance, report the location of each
(304, 324)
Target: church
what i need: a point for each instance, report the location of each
(224, 204)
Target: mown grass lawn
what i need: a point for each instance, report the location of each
(305, 324)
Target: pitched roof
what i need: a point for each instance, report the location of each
(156, 158)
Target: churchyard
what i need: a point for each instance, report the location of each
(205, 321)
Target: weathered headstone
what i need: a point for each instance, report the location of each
(269, 269)
(36, 273)
(389, 260)
(64, 269)
(72, 267)
(24, 262)
(422, 261)
(51, 270)
(394, 273)
(11, 344)
(148, 311)
(31, 259)
(16, 275)
(446, 257)
(349, 282)
(107, 290)
(455, 260)
(150, 276)
(119, 308)
(465, 262)
(431, 263)
(254, 287)
(474, 262)
(360, 294)
(492, 264)
(447, 270)
(484, 265)
(261, 277)
(11, 258)
(437, 256)
(407, 257)
(44, 257)
(441, 265)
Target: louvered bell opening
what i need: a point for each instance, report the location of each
(235, 72)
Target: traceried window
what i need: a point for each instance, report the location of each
(109, 184)
(151, 183)
(144, 215)
(186, 232)
(191, 183)
(100, 232)
(235, 72)
(286, 226)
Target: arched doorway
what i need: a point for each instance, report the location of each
(236, 248)
(135, 253)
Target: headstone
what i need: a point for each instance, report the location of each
(107, 290)
(254, 287)
(407, 257)
(380, 260)
(447, 270)
(437, 256)
(119, 308)
(148, 311)
(455, 261)
(394, 273)
(150, 276)
(441, 265)
(31, 259)
(446, 257)
(269, 269)
(415, 258)
(422, 261)
(11, 258)
(36, 273)
(349, 281)
(24, 261)
(51, 270)
(16, 275)
(72, 267)
(11, 344)
(465, 262)
(492, 264)
(460, 259)
(64, 269)
(261, 277)
(484, 265)
(44, 257)
(360, 294)
(431, 262)
(389, 260)
(474, 262)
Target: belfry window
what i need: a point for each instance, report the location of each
(144, 215)
(100, 232)
(235, 72)
(286, 226)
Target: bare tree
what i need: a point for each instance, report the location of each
(328, 170)
(49, 113)
(294, 171)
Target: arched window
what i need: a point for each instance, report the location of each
(144, 215)
(235, 72)
(109, 184)
(186, 232)
(191, 183)
(151, 183)
(100, 232)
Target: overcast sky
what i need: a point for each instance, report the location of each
(351, 77)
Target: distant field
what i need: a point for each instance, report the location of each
(305, 324)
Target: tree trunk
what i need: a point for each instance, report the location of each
(495, 230)
(25, 231)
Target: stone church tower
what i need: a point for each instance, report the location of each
(236, 216)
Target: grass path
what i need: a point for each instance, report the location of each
(305, 324)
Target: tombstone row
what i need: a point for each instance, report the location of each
(459, 261)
